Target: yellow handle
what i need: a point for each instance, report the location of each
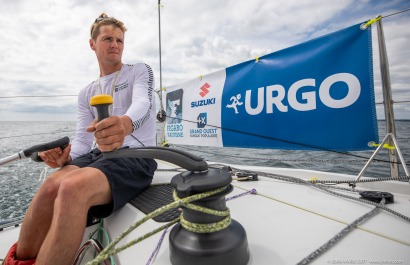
(101, 99)
(101, 103)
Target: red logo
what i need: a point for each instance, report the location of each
(204, 90)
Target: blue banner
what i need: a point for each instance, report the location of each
(316, 95)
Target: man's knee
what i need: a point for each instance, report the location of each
(84, 188)
(49, 189)
(51, 185)
(70, 189)
(73, 189)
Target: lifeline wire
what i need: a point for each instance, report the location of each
(39, 96)
(401, 178)
(398, 12)
(55, 96)
(287, 141)
(326, 189)
(34, 134)
(292, 160)
(101, 233)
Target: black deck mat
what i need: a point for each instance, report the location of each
(154, 197)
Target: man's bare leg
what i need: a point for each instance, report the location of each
(79, 190)
(38, 217)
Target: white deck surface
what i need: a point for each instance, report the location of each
(285, 222)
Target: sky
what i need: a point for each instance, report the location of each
(44, 49)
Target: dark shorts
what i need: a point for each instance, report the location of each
(127, 178)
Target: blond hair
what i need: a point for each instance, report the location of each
(104, 20)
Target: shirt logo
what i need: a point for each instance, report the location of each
(121, 86)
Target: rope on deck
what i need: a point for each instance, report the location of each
(185, 202)
(340, 235)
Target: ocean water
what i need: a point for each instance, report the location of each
(19, 180)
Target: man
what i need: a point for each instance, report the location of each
(54, 224)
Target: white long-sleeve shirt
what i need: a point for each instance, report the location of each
(133, 96)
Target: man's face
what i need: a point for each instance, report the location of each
(109, 45)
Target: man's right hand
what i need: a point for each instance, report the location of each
(56, 157)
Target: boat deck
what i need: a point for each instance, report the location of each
(285, 222)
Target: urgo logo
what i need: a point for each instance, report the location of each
(265, 95)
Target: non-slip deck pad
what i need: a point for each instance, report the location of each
(154, 197)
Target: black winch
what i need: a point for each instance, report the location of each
(224, 247)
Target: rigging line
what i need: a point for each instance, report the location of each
(280, 159)
(39, 96)
(319, 251)
(324, 216)
(307, 183)
(398, 12)
(159, 44)
(287, 141)
(288, 160)
(15, 136)
(54, 96)
(394, 102)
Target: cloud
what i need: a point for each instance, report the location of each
(44, 48)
